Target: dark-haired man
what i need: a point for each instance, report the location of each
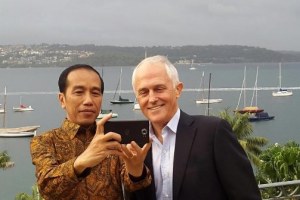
(76, 160)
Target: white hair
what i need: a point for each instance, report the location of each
(170, 68)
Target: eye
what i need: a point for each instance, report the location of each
(96, 93)
(143, 93)
(78, 92)
(160, 89)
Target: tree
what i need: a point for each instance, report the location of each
(35, 195)
(280, 164)
(243, 130)
(5, 160)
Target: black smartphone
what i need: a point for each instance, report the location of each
(130, 130)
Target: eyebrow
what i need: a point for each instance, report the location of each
(82, 87)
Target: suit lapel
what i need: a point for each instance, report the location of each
(184, 141)
(148, 163)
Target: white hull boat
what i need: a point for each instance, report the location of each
(25, 131)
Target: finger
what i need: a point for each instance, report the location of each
(114, 152)
(135, 146)
(127, 151)
(146, 147)
(112, 136)
(101, 122)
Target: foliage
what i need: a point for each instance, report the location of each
(35, 195)
(243, 130)
(279, 164)
(23, 196)
(4, 159)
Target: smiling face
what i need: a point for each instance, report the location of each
(156, 93)
(82, 98)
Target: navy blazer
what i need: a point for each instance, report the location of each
(209, 163)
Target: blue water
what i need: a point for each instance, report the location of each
(38, 87)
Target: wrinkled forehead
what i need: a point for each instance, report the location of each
(151, 70)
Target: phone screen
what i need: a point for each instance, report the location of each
(130, 130)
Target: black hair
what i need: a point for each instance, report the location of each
(62, 81)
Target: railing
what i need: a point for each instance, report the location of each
(281, 190)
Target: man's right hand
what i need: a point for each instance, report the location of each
(100, 147)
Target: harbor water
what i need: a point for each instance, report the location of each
(38, 88)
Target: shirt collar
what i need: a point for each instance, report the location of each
(71, 129)
(172, 124)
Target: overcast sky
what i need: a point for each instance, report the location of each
(271, 24)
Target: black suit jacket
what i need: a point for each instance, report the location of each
(209, 163)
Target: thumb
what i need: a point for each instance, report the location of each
(147, 146)
(101, 122)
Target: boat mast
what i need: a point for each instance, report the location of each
(245, 76)
(208, 94)
(20, 101)
(116, 89)
(242, 91)
(145, 52)
(202, 87)
(4, 107)
(120, 83)
(279, 76)
(256, 85)
(255, 89)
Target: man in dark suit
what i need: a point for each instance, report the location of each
(192, 157)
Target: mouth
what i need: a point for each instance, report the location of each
(155, 107)
(87, 111)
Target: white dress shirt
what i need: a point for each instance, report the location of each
(163, 158)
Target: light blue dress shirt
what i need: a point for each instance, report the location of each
(163, 158)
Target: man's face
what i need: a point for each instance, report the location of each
(82, 99)
(156, 93)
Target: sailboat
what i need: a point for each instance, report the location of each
(22, 107)
(105, 112)
(192, 66)
(281, 92)
(23, 131)
(251, 108)
(203, 100)
(120, 100)
(258, 116)
(136, 105)
(1, 109)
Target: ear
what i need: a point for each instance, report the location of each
(179, 88)
(62, 100)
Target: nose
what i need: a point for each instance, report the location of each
(88, 99)
(152, 97)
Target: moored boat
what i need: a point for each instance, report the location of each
(281, 92)
(25, 131)
(250, 109)
(261, 116)
(22, 107)
(120, 100)
(103, 113)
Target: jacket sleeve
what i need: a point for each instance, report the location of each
(54, 179)
(233, 166)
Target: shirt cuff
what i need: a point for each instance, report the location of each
(142, 177)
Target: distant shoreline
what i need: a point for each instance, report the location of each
(61, 55)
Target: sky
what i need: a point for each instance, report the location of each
(271, 24)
